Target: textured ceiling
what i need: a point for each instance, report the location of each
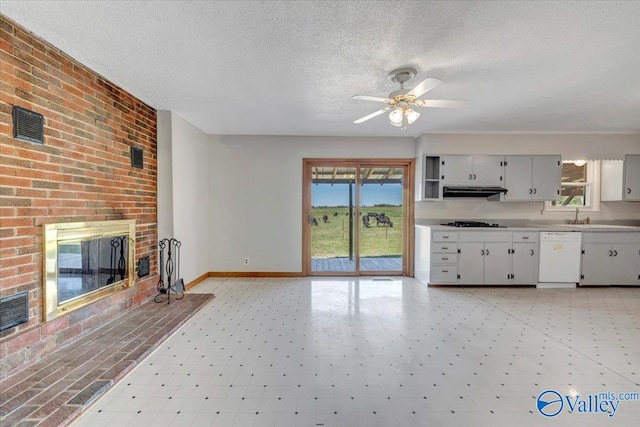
(290, 68)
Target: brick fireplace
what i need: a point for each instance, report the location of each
(82, 172)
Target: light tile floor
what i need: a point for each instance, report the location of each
(375, 352)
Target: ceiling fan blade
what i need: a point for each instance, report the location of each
(424, 86)
(372, 115)
(370, 98)
(441, 103)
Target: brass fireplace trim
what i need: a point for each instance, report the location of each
(54, 233)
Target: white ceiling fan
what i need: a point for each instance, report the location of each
(400, 101)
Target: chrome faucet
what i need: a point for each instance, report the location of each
(576, 220)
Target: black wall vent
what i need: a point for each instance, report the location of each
(136, 157)
(28, 125)
(14, 310)
(143, 267)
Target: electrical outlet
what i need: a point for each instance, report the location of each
(246, 261)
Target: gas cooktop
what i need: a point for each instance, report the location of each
(472, 224)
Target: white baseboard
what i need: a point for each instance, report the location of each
(548, 285)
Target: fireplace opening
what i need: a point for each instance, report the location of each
(85, 266)
(85, 262)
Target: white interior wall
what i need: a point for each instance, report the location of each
(183, 209)
(237, 197)
(165, 175)
(256, 194)
(570, 146)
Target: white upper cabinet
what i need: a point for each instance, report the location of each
(611, 180)
(547, 177)
(472, 170)
(518, 174)
(456, 170)
(631, 189)
(620, 180)
(533, 178)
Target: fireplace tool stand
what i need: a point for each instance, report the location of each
(166, 285)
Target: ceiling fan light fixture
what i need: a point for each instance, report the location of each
(412, 116)
(395, 116)
(400, 102)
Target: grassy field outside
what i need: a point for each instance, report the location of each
(331, 239)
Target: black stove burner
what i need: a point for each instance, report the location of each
(470, 224)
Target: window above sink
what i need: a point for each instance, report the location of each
(580, 187)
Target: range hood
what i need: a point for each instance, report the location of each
(489, 193)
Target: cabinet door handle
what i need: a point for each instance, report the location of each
(535, 190)
(513, 251)
(508, 251)
(445, 259)
(470, 176)
(445, 237)
(628, 191)
(474, 176)
(487, 251)
(525, 238)
(445, 271)
(532, 252)
(445, 248)
(610, 253)
(482, 252)
(530, 191)
(615, 253)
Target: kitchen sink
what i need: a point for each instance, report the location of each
(593, 226)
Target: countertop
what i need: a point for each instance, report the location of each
(539, 227)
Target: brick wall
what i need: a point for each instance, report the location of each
(82, 173)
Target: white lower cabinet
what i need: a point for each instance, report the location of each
(484, 263)
(470, 263)
(444, 258)
(610, 264)
(496, 257)
(524, 263)
(500, 257)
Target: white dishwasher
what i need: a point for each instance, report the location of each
(559, 259)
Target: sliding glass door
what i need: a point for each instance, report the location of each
(332, 220)
(357, 217)
(382, 213)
